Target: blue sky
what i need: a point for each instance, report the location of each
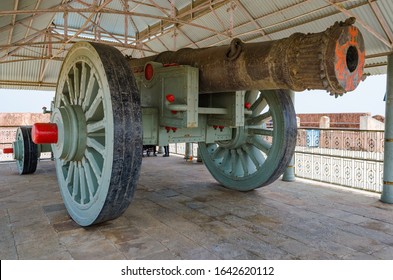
(368, 97)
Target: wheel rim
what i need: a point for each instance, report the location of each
(25, 151)
(260, 151)
(91, 119)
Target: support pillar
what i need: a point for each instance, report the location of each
(387, 191)
(188, 151)
(199, 158)
(289, 174)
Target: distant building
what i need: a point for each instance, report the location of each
(363, 121)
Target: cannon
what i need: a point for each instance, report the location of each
(233, 100)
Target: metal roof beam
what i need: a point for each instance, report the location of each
(284, 21)
(16, 3)
(31, 38)
(381, 19)
(26, 83)
(250, 17)
(37, 4)
(22, 58)
(272, 14)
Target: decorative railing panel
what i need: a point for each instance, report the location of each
(352, 158)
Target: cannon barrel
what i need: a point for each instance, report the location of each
(332, 60)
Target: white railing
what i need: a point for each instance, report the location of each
(351, 158)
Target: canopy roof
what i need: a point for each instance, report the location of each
(35, 34)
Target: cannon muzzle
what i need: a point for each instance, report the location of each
(332, 60)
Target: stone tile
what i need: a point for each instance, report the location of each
(304, 251)
(163, 255)
(33, 232)
(121, 235)
(80, 236)
(29, 213)
(8, 252)
(190, 216)
(385, 253)
(54, 208)
(95, 250)
(67, 225)
(58, 217)
(45, 249)
(141, 248)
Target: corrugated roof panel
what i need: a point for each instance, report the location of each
(6, 5)
(156, 45)
(174, 43)
(386, 8)
(210, 21)
(211, 41)
(227, 13)
(4, 38)
(267, 11)
(196, 34)
(5, 20)
(378, 70)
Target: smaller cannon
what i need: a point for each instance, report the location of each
(232, 100)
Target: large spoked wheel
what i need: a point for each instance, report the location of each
(99, 148)
(25, 151)
(261, 150)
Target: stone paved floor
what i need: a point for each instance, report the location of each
(180, 212)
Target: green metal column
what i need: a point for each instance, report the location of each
(387, 191)
(188, 151)
(289, 174)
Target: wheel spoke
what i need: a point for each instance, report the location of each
(89, 178)
(83, 84)
(258, 120)
(71, 90)
(225, 160)
(260, 144)
(96, 126)
(69, 174)
(233, 161)
(76, 84)
(218, 153)
(82, 179)
(66, 101)
(251, 96)
(243, 161)
(250, 153)
(94, 106)
(259, 105)
(260, 131)
(89, 91)
(93, 143)
(75, 185)
(94, 165)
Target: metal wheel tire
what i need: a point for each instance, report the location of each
(98, 154)
(25, 151)
(261, 150)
